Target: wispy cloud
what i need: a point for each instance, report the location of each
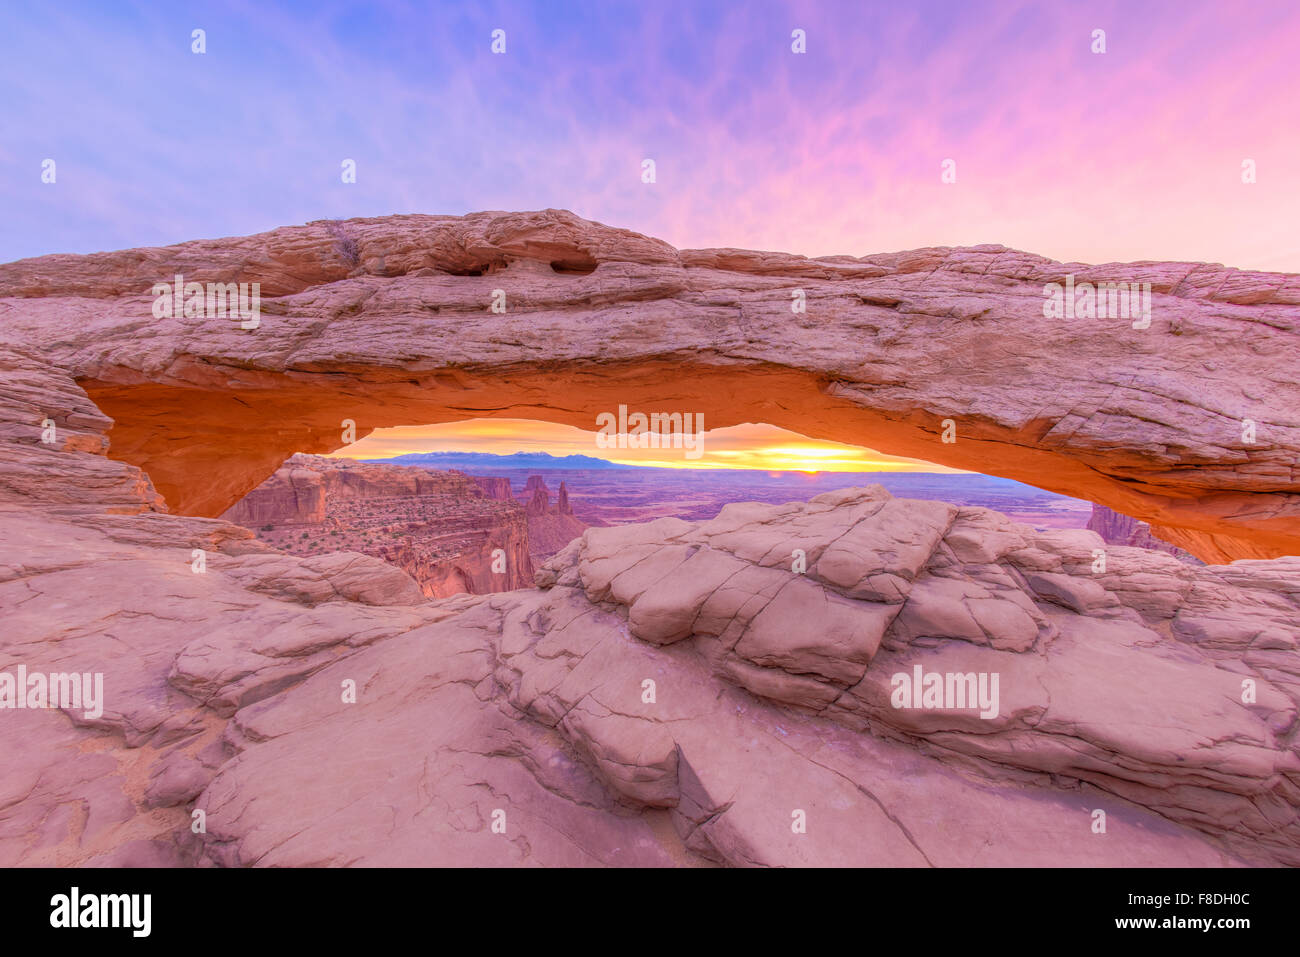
(1132, 154)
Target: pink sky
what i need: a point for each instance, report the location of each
(1128, 155)
(1135, 153)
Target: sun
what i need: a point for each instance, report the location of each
(809, 459)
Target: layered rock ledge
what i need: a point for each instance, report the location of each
(674, 693)
(385, 322)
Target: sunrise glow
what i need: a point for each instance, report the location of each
(759, 447)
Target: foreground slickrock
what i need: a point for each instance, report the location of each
(1191, 424)
(674, 694)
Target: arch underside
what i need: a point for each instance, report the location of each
(205, 449)
(1191, 423)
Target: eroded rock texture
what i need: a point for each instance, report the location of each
(1117, 529)
(674, 693)
(227, 691)
(550, 526)
(387, 322)
(442, 528)
(1112, 678)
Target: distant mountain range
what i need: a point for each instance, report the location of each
(485, 460)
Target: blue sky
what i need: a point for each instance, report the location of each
(1128, 155)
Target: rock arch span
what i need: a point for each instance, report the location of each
(386, 322)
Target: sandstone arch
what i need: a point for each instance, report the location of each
(386, 322)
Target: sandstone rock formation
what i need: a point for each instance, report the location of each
(661, 701)
(675, 693)
(439, 527)
(294, 495)
(550, 527)
(1117, 529)
(386, 322)
(494, 487)
(1111, 679)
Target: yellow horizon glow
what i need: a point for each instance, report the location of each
(750, 447)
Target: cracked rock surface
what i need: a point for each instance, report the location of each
(674, 694)
(1191, 424)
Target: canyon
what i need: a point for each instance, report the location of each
(671, 692)
(442, 528)
(621, 496)
(449, 531)
(1117, 529)
(550, 527)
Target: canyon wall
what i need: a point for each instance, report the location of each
(293, 495)
(1117, 529)
(550, 527)
(442, 528)
(496, 488)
